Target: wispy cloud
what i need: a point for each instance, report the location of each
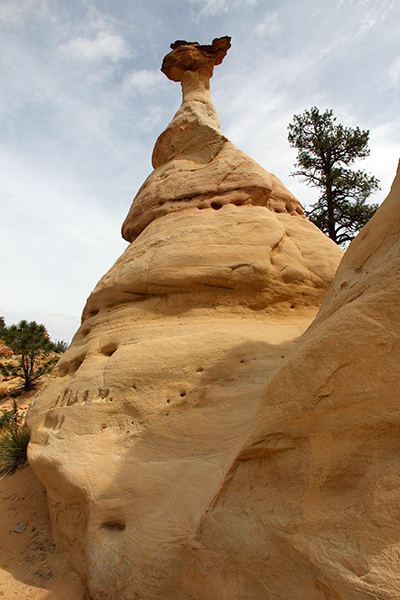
(269, 25)
(16, 13)
(369, 12)
(143, 82)
(213, 7)
(104, 45)
(393, 72)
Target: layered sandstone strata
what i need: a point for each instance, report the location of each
(139, 432)
(195, 165)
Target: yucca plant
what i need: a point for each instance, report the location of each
(13, 446)
(14, 439)
(6, 418)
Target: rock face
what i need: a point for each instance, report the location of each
(167, 477)
(328, 433)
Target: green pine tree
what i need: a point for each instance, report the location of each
(325, 153)
(31, 343)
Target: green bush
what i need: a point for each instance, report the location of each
(7, 417)
(31, 343)
(60, 346)
(14, 439)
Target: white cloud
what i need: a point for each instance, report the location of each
(144, 81)
(384, 157)
(213, 7)
(269, 26)
(53, 237)
(15, 12)
(393, 72)
(9, 12)
(370, 13)
(104, 45)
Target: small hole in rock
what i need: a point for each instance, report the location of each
(168, 401)
(72, 366)
(109, 349)
(199, 370)
(216, 205)
(114, 526)
(183, 394)
(62, 371)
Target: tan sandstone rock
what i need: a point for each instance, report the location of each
(310, 508)
(195, 164)
(139, 432)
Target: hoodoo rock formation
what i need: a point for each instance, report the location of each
(170, 474)
(195, 164)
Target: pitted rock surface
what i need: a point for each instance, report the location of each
(150, 435)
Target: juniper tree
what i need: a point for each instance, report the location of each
(31, 343)
(325, 153)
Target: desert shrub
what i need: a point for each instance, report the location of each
(7, 417)
(31, 343)
(60, 346)
(14, 440)
(15, 392)
(5, 351)
(9, 370)
(2, 326)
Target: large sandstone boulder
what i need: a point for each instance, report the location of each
(141, 432)
(326, 440)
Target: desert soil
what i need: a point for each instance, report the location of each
(31, 566)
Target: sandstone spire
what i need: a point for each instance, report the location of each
(196, 166)
(148, 414)
(191, 57)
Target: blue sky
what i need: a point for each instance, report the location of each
(82, 102)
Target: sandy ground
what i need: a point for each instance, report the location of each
(31, 566)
